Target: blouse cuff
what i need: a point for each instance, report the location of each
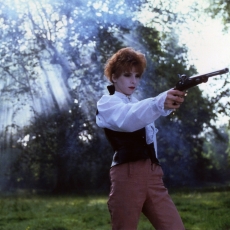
(160, 100)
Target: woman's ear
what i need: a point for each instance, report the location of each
(114, 79)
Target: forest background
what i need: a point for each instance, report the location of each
(51, 76)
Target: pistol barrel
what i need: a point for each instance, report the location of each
(218, 72)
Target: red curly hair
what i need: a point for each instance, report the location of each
(123, 60)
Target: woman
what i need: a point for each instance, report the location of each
(136, 175)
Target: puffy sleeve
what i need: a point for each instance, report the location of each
(115, 114)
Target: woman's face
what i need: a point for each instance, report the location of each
(127, 82)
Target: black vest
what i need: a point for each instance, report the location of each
(130, 146)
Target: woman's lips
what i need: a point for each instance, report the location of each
(132, 87)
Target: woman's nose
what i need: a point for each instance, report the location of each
(133, 79)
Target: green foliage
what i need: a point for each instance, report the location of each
(217, 151)
(60, 60)
(61, 157)
(220, 8)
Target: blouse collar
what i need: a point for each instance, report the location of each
(123, 96)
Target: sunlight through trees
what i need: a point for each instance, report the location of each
(52, 58)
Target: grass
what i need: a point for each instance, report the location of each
(199, 211)
(204, 210)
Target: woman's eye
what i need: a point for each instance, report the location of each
(138, 76)
(127, 75)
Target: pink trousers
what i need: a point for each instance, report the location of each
(138, 187)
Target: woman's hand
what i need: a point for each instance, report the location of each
(174, 99)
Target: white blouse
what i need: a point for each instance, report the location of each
(123, 113)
